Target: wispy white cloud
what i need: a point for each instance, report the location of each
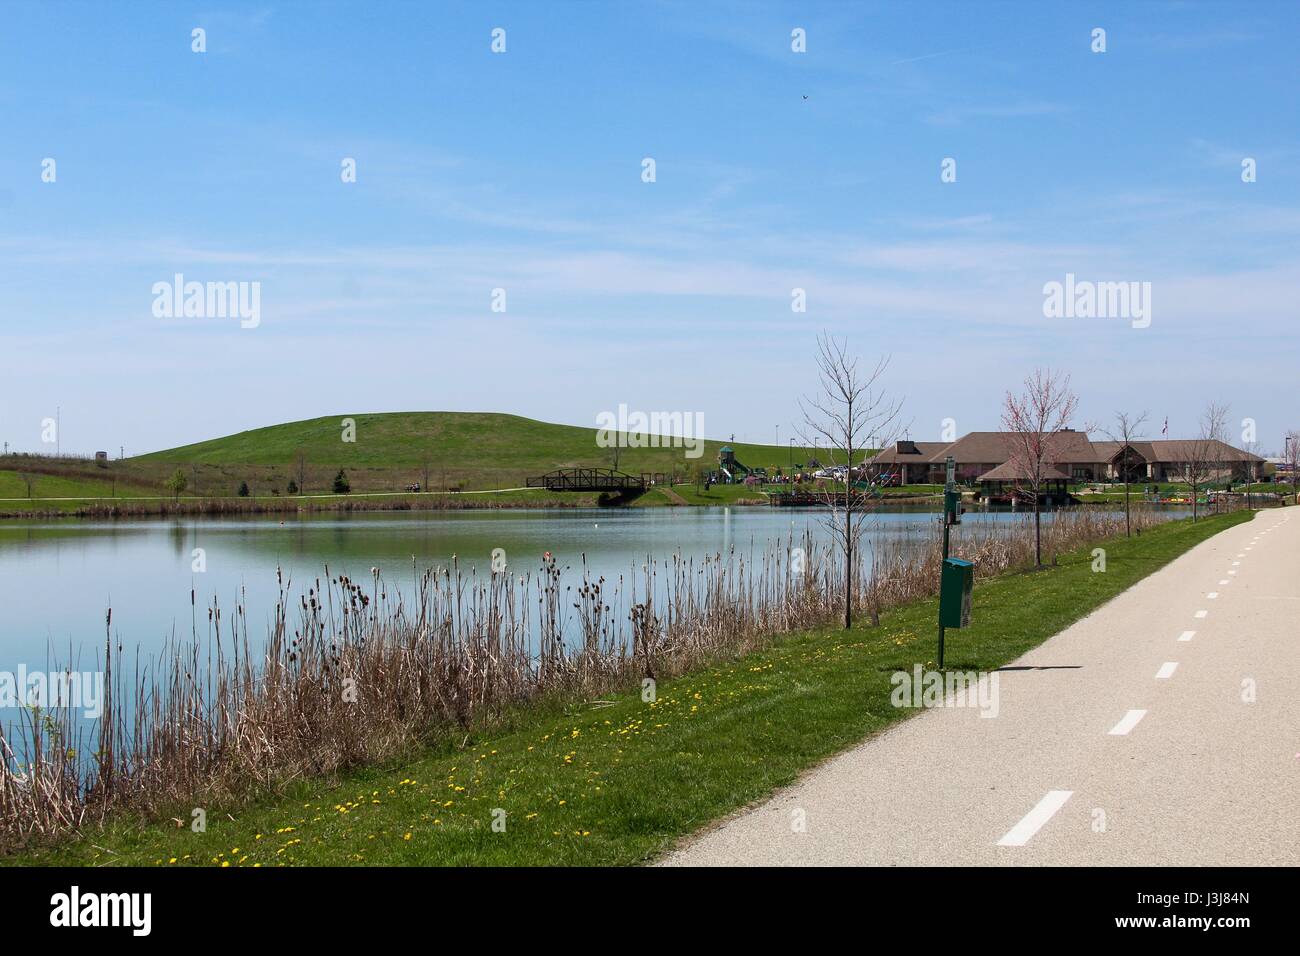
(925, 56)
(957, 115)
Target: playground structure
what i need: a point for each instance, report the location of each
(730, 469)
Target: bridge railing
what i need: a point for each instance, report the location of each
(587, 479)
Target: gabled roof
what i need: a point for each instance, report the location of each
(979, 447)
(1012, 471)
(1068, 447)
(1188, 449)
(925, 452)
(1110, 450)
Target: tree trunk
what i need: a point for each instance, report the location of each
(1038, 530)
(1128, 520)
(848, 568)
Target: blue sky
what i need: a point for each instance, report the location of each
(522, 171)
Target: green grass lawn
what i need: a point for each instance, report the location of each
(1264, 487)
(1174, 489)
(72, 485)
(617, 783)
(720, 494)
(904, 490)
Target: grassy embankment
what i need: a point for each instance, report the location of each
(619, 780)
(445, 451)
(1171, 490)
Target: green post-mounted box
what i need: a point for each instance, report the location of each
(952, 506)
(954, 592)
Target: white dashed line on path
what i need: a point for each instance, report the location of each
(1186, 635)
(1200, 614)
(1033, 821)
(1212, 595)
(1127, 723)
(1166, 670)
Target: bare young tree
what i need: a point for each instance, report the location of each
(1250, 447)
(1128, 428)
(850, 407)
(1291, 455)
(1201, 458)
(1032, 424)
(1214, 432)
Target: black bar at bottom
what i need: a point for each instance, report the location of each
(880, 904)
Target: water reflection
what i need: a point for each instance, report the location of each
(57, 578)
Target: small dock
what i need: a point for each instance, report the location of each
(804, 499)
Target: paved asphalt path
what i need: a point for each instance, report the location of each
(1130, 738)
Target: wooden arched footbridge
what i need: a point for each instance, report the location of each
(590, 479)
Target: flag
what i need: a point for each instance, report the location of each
(1165, 430)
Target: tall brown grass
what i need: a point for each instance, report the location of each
(358, 671)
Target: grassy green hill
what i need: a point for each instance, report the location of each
(469, 450)
(441, 451)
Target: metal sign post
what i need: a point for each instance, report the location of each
(956, 577)
(949, 487)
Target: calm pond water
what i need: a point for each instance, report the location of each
(57, 578)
